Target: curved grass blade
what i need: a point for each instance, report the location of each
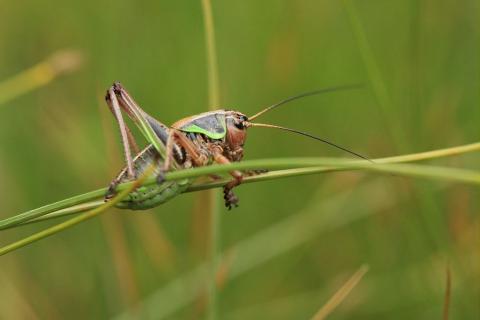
(76, 220)
(96, 194)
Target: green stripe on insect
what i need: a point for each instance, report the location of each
(196, 129)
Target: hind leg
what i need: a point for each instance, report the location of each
(128, 141)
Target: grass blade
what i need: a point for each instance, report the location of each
(93, 195)
(212, 204)
(76, 220)
(341, 294)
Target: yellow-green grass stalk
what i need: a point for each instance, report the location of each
(212, 204)
(422, 171)
(61, 62)
(76, 220)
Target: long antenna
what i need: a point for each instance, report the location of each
(306, 94)
(308, 135)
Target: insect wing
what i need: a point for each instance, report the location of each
(212, 125)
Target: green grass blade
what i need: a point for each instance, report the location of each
(38, 212)
(212, 204)
(93, 195)
(76, 220)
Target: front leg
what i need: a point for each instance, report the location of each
(231, 200)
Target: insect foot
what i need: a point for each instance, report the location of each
(231, 200)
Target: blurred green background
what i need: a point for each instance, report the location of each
(292, 243)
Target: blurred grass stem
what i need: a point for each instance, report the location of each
(41, 74)
(376, 80)
(448, 293)
(212, 205)
(341, 294)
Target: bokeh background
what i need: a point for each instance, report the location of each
(292, 243)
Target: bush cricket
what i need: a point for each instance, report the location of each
(211, 137)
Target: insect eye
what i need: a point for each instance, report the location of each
(239, 125)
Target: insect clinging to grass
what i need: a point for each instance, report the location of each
(211, 137)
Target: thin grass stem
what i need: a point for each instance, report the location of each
(448, 293)
(40, 74)
(212, 204)
(374, 74)
(341, 294)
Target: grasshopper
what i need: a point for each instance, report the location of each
(211, 137)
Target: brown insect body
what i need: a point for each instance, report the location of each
(216, 136)
(211, 137)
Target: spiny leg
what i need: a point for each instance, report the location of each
(127, 140)
(129, 105)
(134, 112)
(114, 106)
(174, 138)
(199, 159)
(131, 139)
(177, 139)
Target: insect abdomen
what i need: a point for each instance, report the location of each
(146, 197)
